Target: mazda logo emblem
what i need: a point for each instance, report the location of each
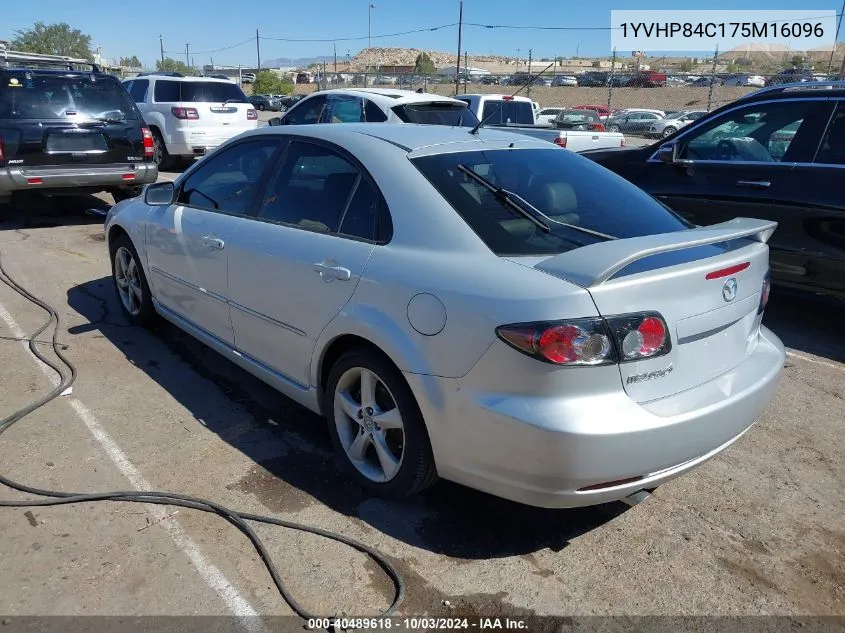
(729, 290)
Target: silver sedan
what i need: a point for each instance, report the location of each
(480, 307)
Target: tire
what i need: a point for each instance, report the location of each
(412, 468)
(668, 131)
(261, 107)
(142, 313)
(161, 157)
(124, 193)
(613, 128)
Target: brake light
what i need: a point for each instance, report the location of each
(764, 293)
(251, 114)
(1, 149)
(727, 272)
(591, 341)
(149, 144)
(185, 113)
(560, 141)
(507, 98)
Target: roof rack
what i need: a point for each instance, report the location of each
(160, 73)
(797, 86)
(20, 59)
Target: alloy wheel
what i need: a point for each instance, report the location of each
(128, 280)
(369, 424)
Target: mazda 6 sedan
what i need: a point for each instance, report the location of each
(480, 307)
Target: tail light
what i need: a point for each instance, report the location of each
(185, 113)
(764, 293)
(592, 341)
(1, 149)
(560, 141)
(252, 114)
(149, 144)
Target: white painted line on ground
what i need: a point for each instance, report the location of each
(212, 576)
(814, 360)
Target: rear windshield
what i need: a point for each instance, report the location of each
(577, 117)
(444, 113)
(514, 112)
(563, 186)
(34, 95)
(198, 92)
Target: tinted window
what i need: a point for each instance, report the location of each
(443, 113)
(514, 112)
(138, 90)
(343, 109)
(167, 91)
(57, 96)
(307, 112)
(211, 92)
(360, 218)
(757, 133)
(562, 185)
(312, 188)
(228, 181)
(373, 113)
(832, 148)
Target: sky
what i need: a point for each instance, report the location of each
(209, 25)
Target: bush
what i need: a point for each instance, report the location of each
(269, 83)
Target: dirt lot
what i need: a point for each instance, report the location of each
(656, 98)
(758, 530)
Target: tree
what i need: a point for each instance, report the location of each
(131, 62)
(174, 66)
(53, 39)
(423, 65)
(686, 66)
(269, 83)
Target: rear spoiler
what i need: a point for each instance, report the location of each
(593, 265)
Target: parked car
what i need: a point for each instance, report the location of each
(647, 79)
(579, 120)
(190, 116)
(327, 261)
(489, 80)
(774, 154)
(542, 81)
(791, 75)
(632, 121)
(304, 78)
(619, 80)
(673, 122)
(265, 102)
(757, 81)
(70, 131)
(377, 105)
(593, 79)
(705, 82)
(564, 80)
(546, 116)
(248, 78)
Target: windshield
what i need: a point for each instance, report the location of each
(443, 113)
(211, 92)
(60, 96)
(564, 187)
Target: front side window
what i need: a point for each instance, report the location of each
(227, 182)
(758, 133)
(307, 112)
(316, 188)
(562, 186)
(832, 149)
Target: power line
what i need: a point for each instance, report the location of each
(361, 37)
(216, 50)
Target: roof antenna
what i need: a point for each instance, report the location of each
(502, 104)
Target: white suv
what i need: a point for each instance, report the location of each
(189, 116)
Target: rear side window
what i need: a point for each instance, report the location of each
(443, 113)
(34, 95)
(167, 91)
(513, 112)
(562, 186)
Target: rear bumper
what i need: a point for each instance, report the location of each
(201, 141)
(545, 450)
(66, 177)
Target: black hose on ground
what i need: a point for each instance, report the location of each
(239, 519)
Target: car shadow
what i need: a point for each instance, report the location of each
(807, 323)
(292, 447)
(35, 210)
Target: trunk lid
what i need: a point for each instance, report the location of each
(706, 283)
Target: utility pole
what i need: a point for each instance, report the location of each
(161, 46)
(466, 71)
(610, 81)
(187, 54)
(334, 48)
(257, 51)
(530, 52)
(370, 26)
(712, 78)
(458, 61)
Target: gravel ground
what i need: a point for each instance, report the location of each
(757, 530)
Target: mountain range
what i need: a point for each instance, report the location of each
(296, 62)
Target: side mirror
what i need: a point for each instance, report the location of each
(668, 153)
(276, 120)
(159, 194)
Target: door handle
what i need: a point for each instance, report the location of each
(329, 272)
(213, 242)
(755, 184)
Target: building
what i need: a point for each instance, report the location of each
(451, 71)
